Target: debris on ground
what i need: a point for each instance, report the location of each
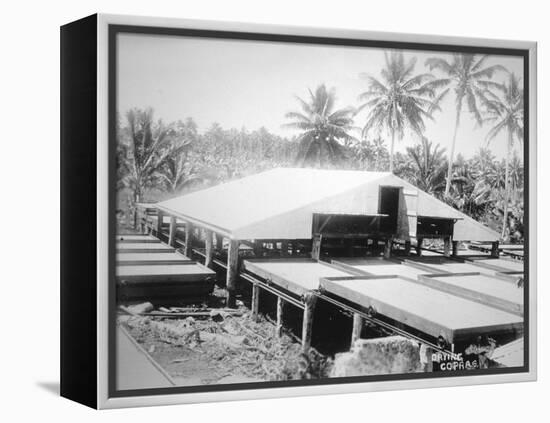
(388, 355)
(220, 346)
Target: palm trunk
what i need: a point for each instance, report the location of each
(137, 198)
(391, 149)
(506, 185)
(452, 152)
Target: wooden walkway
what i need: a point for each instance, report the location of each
(135, 368)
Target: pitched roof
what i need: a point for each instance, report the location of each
(279, 203)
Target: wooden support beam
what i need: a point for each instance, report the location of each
(310, 300)
(358, 322)
(219, 243)
(408, 248)
(455, 248)
(255, 301)
(284, 248)
(280, 320)
(160, 218)
(387, 248)
(447, 246)
(258, 248)
(232, 271)
(172, 233)
(419, 242)
(316, 247)
(495, 252)
(189, 236)
(208, 248)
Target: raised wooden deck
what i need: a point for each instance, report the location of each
(150, 258)
(143, 247)
(381, 267)
(484, 289)
(297, 276)
(423, 308)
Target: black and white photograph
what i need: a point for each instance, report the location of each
(299, 211)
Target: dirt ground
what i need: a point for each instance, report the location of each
(223, 347)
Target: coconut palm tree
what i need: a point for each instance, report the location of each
(400, 100)
(470, 79)
(324, 128)
(505, 112)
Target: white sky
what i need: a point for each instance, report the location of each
(252, 84)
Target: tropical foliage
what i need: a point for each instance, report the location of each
(157, 160)
(402, 100)
(470, 78)
(323, 129)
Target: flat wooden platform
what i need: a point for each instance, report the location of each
(485, 289)
(381, 267)
(426, 309)
(150, 258)
(137, 238)
(295, 275)
(500, 265)
(143, 247)
(189, 272)
(135, 368)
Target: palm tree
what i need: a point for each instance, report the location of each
(401, 100)
(146, 151)
(467, 74)
(429, 164)
(324, 128)
(505, 111)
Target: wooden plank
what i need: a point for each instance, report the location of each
(499, 265)
(481, 288)
(380, 267)
(141, 239)
(137, 247)
(149, 258)
(426, 309)
(173, 273)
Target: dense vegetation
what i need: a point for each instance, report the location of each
(157, 160)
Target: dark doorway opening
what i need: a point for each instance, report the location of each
(389, 205)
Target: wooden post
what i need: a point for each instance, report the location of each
(316, 247)
(284, 248)
(357, 328)
(419, 242)
(455, 248)
(280, 310)
(447, 246)
(255, 301)
(408, 247)
(187, 249)
(387, 248)
(160, 218)
(258, 248)
(172, 233)
(293, 246)
(232, 271)
(494, 249)
(310, 300)
(219, 243)
(208, 248)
